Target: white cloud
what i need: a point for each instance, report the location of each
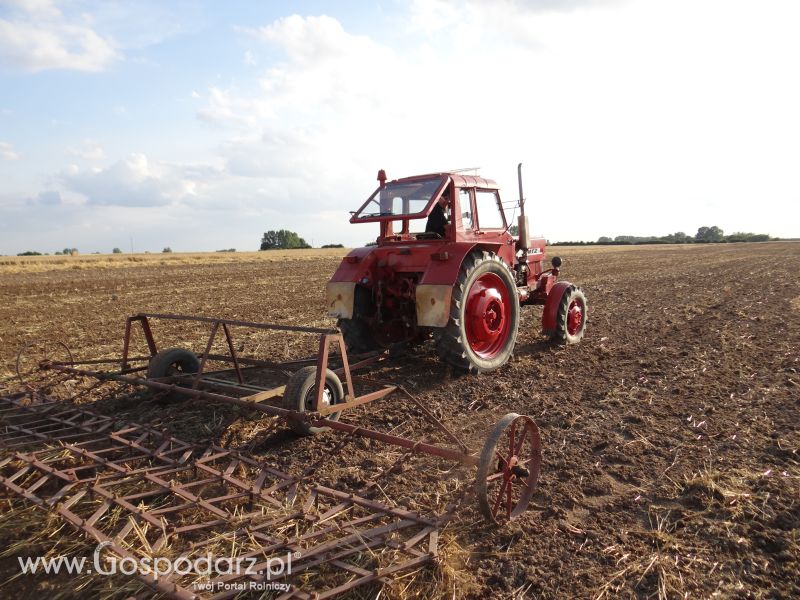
(135, 181)
(88, 150)
(7, 151)
(224, 106)
(46, 198)
(38, 36)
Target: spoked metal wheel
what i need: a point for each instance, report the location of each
(34, 360)
(509, 469)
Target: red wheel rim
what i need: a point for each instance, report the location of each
(575, 317)
(487, 316)
(517, 470)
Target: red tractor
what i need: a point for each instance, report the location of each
(461, 280)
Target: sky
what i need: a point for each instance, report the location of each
(201, 125)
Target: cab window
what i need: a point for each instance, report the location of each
(467, 218)
(488, 207)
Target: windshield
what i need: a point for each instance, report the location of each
(400, 199)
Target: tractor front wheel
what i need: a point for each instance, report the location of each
(484, 316)
(571, 316)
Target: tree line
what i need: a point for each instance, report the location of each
(704, 235)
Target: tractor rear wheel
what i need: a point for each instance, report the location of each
(357, 331)
(571, 316)
(484, 316)
(357, 335)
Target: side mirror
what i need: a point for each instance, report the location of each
(556, 262)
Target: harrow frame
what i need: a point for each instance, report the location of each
(114, 458)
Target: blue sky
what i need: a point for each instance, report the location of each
(199, 125)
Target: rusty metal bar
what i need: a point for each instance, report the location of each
(369, 397)
(237, 323)
(233, 352)
(394, 440)
(212, 335)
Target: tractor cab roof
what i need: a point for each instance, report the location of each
(413, 197)
(459, 179)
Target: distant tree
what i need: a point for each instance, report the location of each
(680, 237)
(709, 235)
(625, 239)
(30, 253)
(69, 251)
(227, 250)
(282, 240)
(604, 239)
(58, 253)
(167, 250)
(333, 246)
(741, 236)
(116, 251)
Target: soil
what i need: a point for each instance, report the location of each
(671, 436)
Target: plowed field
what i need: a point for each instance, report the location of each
(671, 434)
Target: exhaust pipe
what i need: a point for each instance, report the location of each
(522, 220)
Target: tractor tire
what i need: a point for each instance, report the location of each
(357, 336)
(484, 316)
(357, 333)
(173, 361)
(571, 317)
(299, 396)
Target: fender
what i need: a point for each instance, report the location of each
(353, 266)
(435, 290)
(550, 311)
(445, 264)
(340, 290)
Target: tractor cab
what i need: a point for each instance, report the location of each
(439, 207)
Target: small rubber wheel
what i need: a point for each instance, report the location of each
(300, 392)
(171, 362)
(571, 317)
(509, 468)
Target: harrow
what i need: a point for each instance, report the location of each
(143, 492)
